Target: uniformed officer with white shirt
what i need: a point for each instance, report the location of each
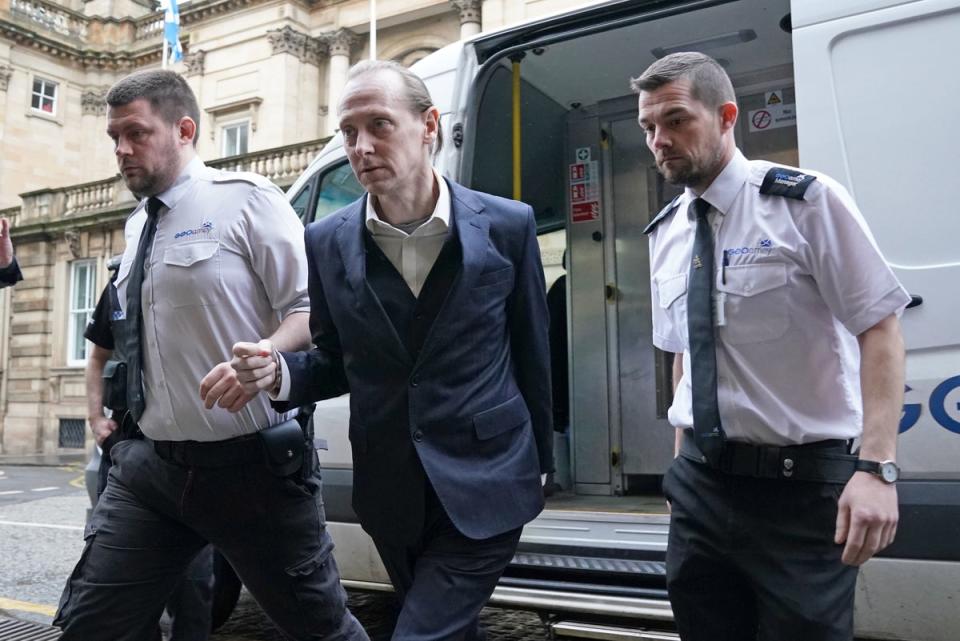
(770, 290)
(211, 257)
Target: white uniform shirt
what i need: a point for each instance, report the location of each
(802, 279)
(413, 254)
(227, 264)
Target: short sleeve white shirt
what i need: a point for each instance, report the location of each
(227, 264)
(796, 280)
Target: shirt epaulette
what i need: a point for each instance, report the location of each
(242, 176)
(666, 211)
(788, 183)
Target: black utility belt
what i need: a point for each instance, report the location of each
(283, 448)
(824, 461)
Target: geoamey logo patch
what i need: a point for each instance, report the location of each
(764, 246)
(205, 228)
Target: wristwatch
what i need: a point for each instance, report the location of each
(886, 470)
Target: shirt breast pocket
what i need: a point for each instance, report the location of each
(756, 305)
(192, 274)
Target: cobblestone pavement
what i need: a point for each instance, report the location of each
(376, 612)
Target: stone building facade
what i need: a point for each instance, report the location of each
(267, 75)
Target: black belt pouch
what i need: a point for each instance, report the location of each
(115, 385)
(283, 446)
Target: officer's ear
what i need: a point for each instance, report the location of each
(728, 116)
(187, 130)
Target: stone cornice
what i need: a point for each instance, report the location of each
(82, 56)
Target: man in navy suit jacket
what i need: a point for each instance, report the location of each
(428, 305)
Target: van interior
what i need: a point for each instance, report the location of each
(587, 172)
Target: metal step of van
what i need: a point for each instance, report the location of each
(588, 564)
(576, 630)
(14, 630)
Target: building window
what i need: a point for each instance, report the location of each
(83, 300)
(235, 139)
(44, 96)
(73, 431)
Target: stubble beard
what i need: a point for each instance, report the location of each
(147, 184)
(693, 173)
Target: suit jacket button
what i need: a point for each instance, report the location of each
(414, 381)
(418, 436)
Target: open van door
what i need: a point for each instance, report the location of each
(874, 100)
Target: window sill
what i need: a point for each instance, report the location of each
(42, 115)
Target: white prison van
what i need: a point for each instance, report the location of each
(864, 90)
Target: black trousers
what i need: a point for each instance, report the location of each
(444, 579)
(155, 516)
(754, 559)
(189, 606)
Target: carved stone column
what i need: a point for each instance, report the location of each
(469, 16)
(305, 48)
(5, 73)
(194, 62)
(94, 101)
(340, 44)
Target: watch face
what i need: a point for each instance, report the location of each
(889, 471)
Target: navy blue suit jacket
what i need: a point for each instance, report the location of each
(473, 408)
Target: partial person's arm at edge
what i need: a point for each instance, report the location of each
(529, 320)
(11, 274)
(868, 512)
(100, 425)
(677, 375)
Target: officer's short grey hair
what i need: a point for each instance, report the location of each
(415, 92)
(709, 82)
(168, 93)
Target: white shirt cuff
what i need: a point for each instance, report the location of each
(284, 393)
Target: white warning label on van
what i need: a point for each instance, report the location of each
(772, 117)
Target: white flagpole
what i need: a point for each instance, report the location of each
(373, 29)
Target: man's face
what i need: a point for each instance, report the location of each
(683, 134)
(386, 142)
(147, 147)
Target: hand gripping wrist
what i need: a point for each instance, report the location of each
(278, 374)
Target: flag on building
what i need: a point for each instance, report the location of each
(171, 30)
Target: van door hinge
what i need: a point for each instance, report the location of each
(457, 134)
(614, 458)
(610, 292)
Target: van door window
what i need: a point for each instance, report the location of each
(338, 188)
(301, 202)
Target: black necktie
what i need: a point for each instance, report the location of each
(134, 347)
(707, 430)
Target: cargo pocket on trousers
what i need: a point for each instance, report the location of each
(74, 580)
(315, 583)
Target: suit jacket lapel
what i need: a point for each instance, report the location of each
(369, 310)
(473, 229)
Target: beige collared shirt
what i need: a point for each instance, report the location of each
(796, 282)
(227, 264)
(413, 254)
